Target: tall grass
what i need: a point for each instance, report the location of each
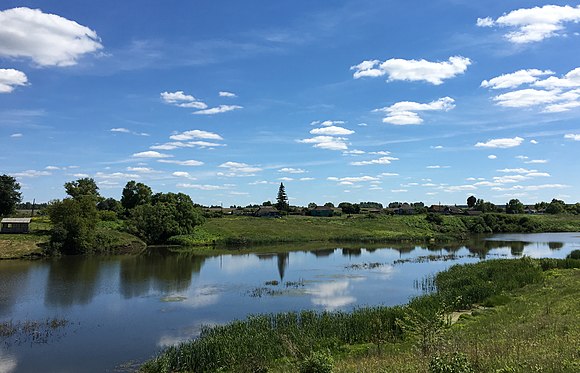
(261, 341)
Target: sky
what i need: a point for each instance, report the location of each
(340, 100)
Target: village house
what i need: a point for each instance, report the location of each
(267, 212)
(322, 211)
(15, 225)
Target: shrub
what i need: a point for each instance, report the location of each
(574, 255)
(455, 363)
(317, 362)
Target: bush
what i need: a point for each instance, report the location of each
(434, 218)
(317, 362)
(574, 255)
(455, 363)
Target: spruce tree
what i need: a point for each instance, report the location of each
(282, 199)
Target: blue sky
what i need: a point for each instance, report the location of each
(339, 100)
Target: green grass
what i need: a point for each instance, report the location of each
(535, 311)
(13, 246)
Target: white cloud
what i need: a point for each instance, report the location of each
(190, 162)
(47, 39)
(217, 110)
(536, 161)
(491, 156)
(459, 188)
(182, 174)
(405, 112)
(534, 24)
(203, 187)
(515, 79)
(501, 143)
(399, 190)
(151, 154)
(527, 97)
(413, 70)
(227, 94)
(53, 168)
(285, 178)
(437, 167)
(81, 175)
(179, 98)
(16, 135)
(142, 170)
(570, 80)
(354, 152)
(516, 170)
(354, 179)
(116, 175)
(327, 142)
(122, 130)
(291, 170)
(195, 134)
(573, 136)
(10, 78)
(388, 174)
(382, 160)
(238, 169)
(331, 131)
(535, 142)
(31, 173)
(306, 179)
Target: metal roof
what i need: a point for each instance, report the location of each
(16, 220)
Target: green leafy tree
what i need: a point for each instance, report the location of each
(312, 205)
(484, 206)
(514, 206)
(349, 208)
(9, 194)
(74, 222)
(168, 214)
(556, 207)
(471, 201)
(82, 187)
(282, 199)
(329, 204)
(135, 194)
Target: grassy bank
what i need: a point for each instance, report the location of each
(530, 323)
(367, 228)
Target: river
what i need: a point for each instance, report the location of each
(108, 314)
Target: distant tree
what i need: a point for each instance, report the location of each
(266, 203)
(73, 224)
(282, 199)
(484, 206)
(109, 204)
(9, 194)
(329, 204)
(135, 194)
(82, 187)
(514, 206)
(312, 205)
(349, 208)
(394, 205)
(471, 201)
(556, 207)
(541, 206)
(168, 214)
(371, 205)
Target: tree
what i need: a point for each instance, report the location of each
(9, 194)
(349, 208)
(514, 206)
(471, 201)
(282, 199)
(556, 207)
(82, 187)
(168, 214)
(74, 222)
(329, 204)
(135, 194)
(312, 205)
(484, 206)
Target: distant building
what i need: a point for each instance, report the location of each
(15, 225)
(322, 211)
(267, 212)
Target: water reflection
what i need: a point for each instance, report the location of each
(71, 281)
(13, 278)
(8, 363)
(332, 295)
(158, 270)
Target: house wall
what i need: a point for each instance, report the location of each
(14, 228)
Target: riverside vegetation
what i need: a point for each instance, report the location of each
(517, 315)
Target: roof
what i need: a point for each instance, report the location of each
(16, 220)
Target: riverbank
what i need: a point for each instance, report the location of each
(523, 316)
(240, 230)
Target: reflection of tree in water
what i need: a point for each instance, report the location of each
(72, 280)
(483, 247)
(323, 252)
(13, 278)
(282, 264)
(350, 252)
(159, 270)
(555, 245)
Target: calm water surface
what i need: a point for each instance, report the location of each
(121, 311)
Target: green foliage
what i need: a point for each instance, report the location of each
(168, 215)
(282, 199)
(110, 204)
(82, 187)
(199, 237)
(74, 222)
(514, 206)
(135, 194)
(575, 254)
(484, 206)
(556, 207)
(434, 218)
(471, 201)
(9, 194)
(454, 363)
(349, 208)
(317, 362)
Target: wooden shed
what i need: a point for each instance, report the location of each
(14, 225)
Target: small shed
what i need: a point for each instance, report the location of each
(14, 225)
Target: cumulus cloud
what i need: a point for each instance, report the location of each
(515, 79)
(190, 162)
(406, 112)
(227, 94)
(47, 39)
(217, 110)
(382, 160)
(554, 94)
(536, 161)
(126, 130)
(10, 78)
(572, 136)
(492, 156)
(31, 173)
(291, 170)
(16, 135)
(151, 154)
(332, 131)
(202, 186)
(195, 134)
(413, 70)
(502, 143)
(238, 169)
(143, 170)
(534, 24)
(179, 98)
(327, 142)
